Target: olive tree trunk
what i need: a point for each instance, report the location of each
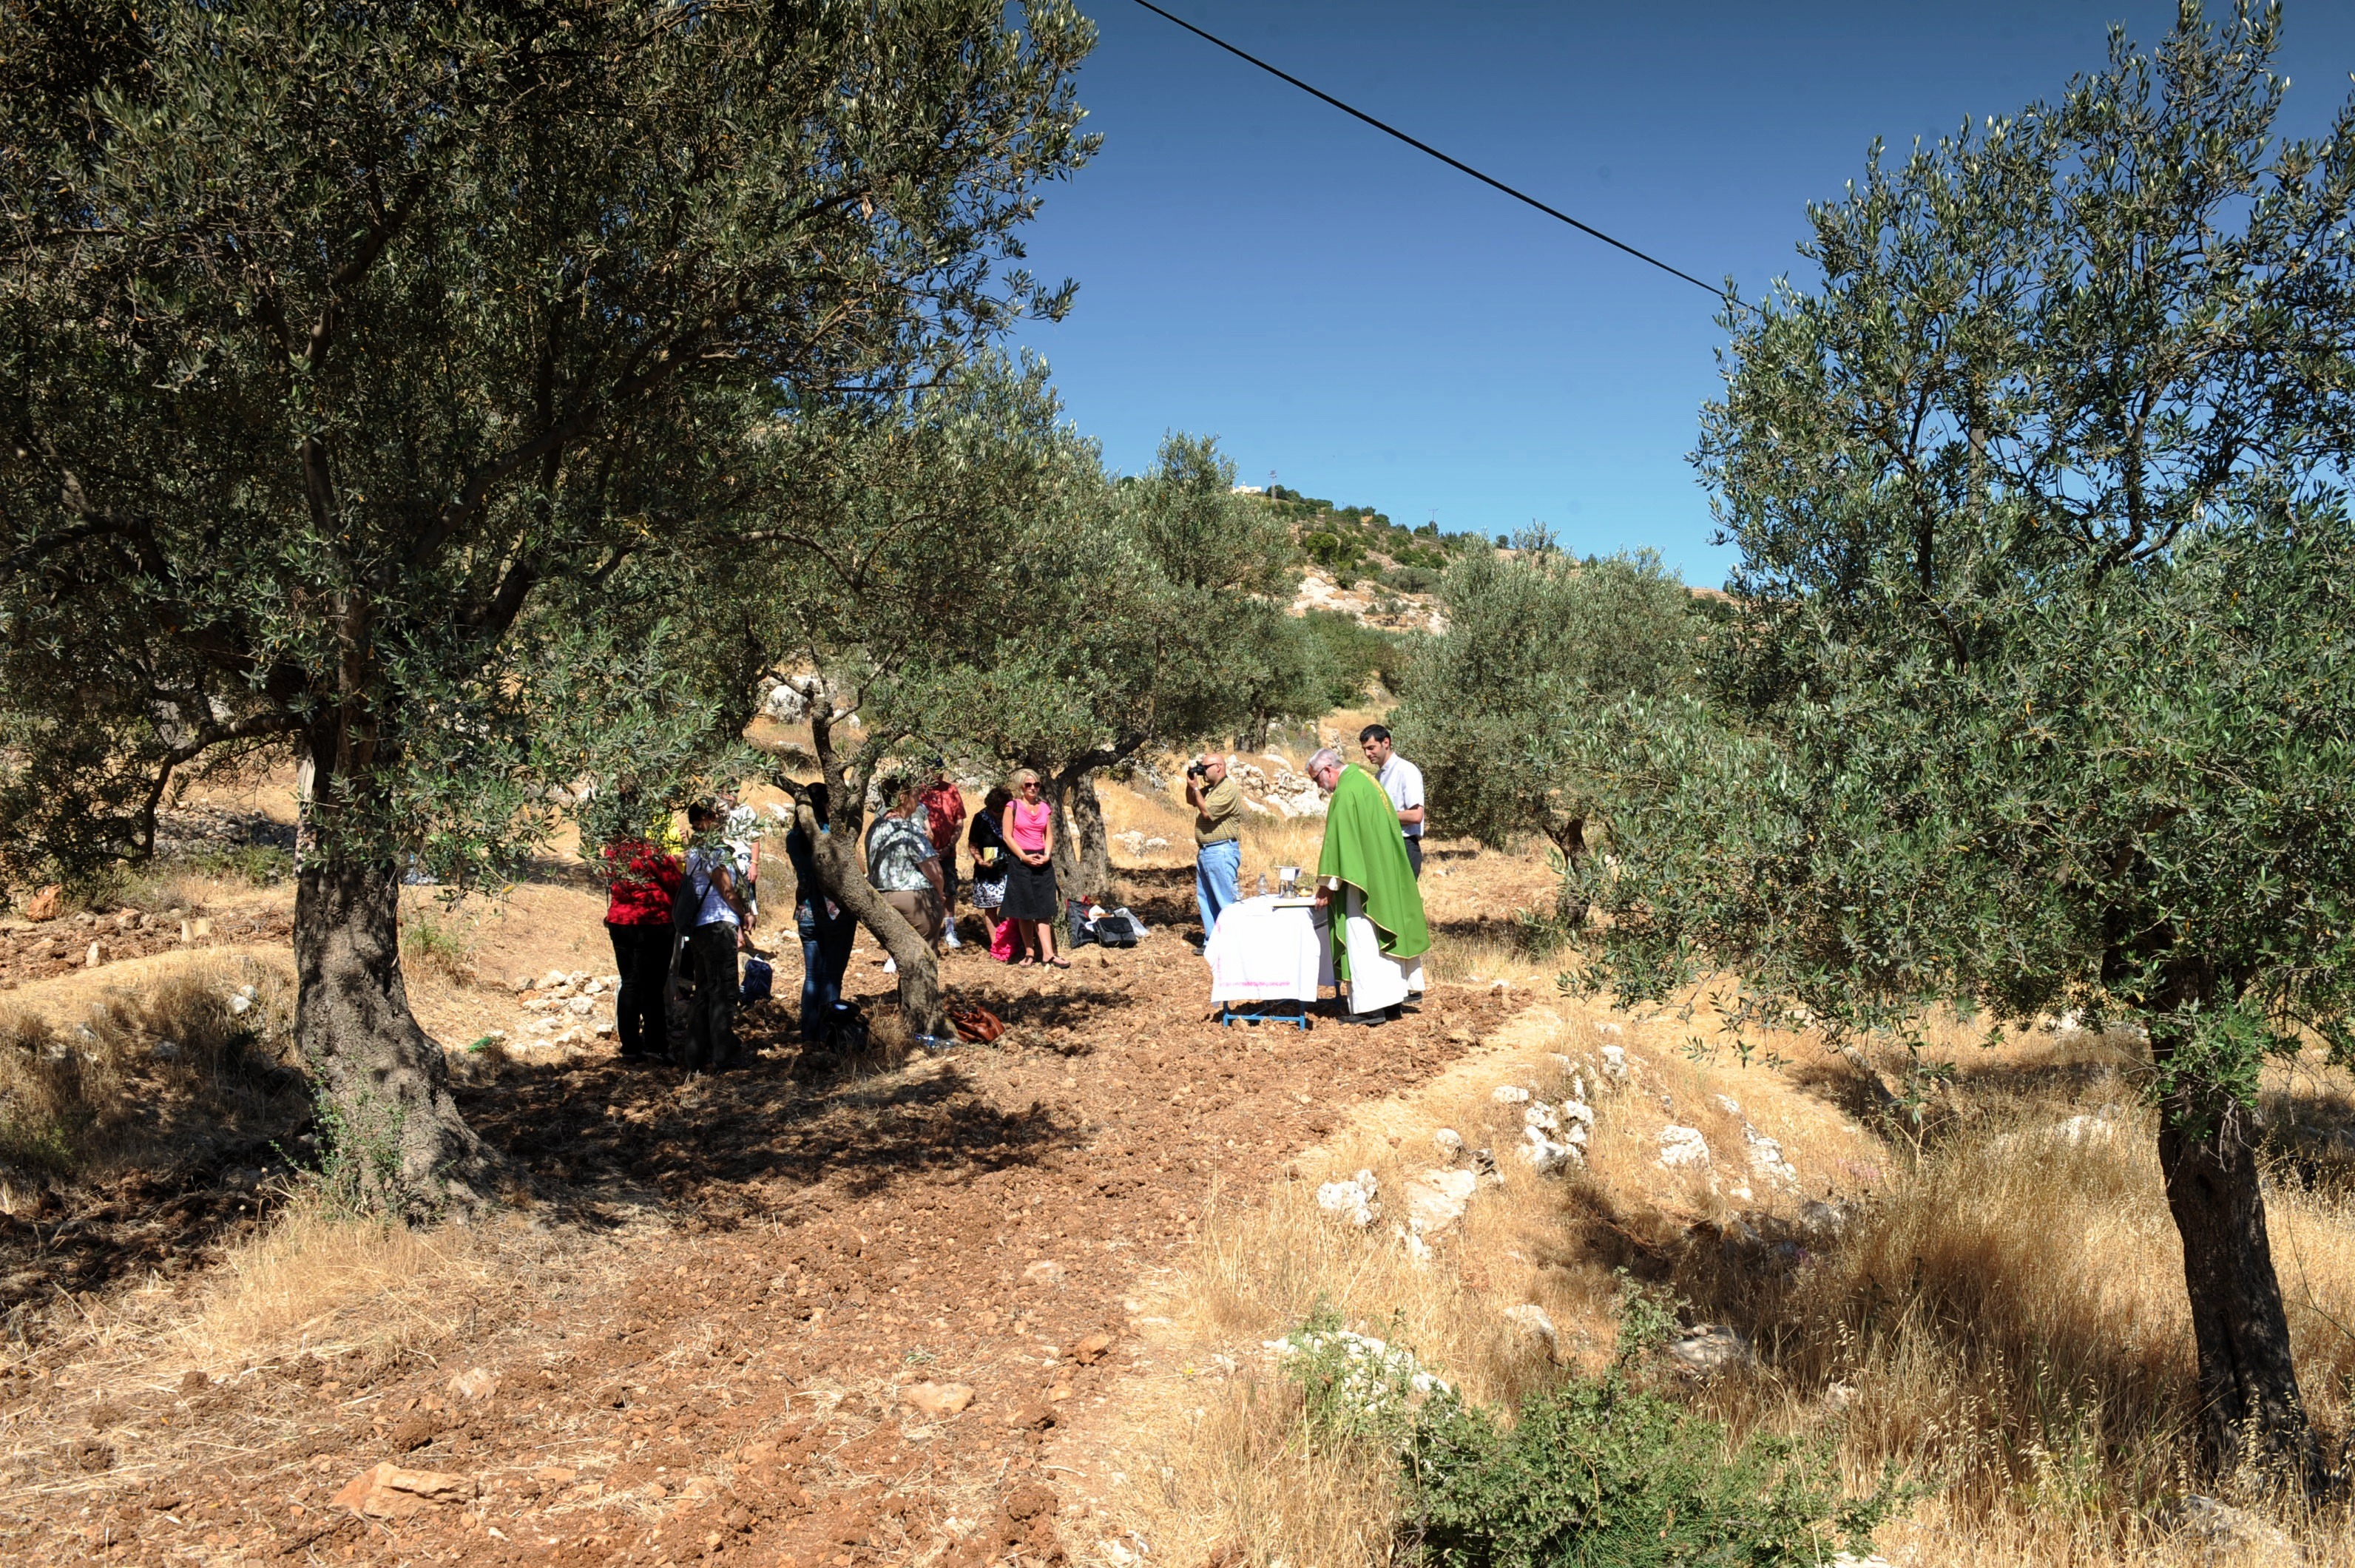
(394, 1136)
(2251, 1413)
(1082, 856)
(846, 882)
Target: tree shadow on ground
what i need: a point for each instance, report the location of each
(110, 1229)
(753, 1141)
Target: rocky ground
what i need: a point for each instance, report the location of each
(46, 950)
(859, 1303)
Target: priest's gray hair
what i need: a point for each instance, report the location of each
(1328, 758)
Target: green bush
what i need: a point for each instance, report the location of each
(1599, 1473)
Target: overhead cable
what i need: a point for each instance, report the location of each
(1456, 164)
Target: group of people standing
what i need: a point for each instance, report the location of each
(911, 858)
(679, 923)
(1218, 802)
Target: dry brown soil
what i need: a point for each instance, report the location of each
(831, 1237)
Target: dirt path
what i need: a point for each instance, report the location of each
(865, 1305)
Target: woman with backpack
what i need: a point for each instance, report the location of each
(1032, 900)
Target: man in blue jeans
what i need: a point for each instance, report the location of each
(827, 930)
(1218, 802)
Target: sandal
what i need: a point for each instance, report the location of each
(1024, 962)
(1060, 963)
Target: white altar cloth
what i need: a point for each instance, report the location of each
(1266, 951)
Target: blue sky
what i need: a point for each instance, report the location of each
(1377, 328)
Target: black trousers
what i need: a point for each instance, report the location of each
(642, 958)
(1414, 857)
(711, 1026)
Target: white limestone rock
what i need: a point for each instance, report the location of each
(1682, 1147)
(1351, 1201)
(1529, 1321)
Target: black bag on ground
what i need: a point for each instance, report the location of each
(843, 1031)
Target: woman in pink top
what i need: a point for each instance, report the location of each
(1032, 900)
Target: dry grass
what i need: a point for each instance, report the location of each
(2001, 1318)
(319, 1277)
(150, 1075)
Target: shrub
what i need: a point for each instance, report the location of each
(1598, 1472)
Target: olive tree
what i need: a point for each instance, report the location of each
(2040, 690)
(1500, 712)
(334, 338)
(901, 540)
(1148, 621)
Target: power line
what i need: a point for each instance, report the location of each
(1456, 164)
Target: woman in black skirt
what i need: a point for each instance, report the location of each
(1032, 900)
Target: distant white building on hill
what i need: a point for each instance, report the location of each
(1250, 489)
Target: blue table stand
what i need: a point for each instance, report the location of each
(1228, 1016)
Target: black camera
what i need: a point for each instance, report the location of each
(1196, 771)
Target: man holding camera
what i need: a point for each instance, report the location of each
(1218, 802)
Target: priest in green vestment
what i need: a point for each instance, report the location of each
(1366, 882)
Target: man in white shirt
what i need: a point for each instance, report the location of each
(1402, 781)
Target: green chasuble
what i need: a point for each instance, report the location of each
(1364, 848)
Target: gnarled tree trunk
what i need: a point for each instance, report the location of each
(2251, 1411)
(1083, 855)
(920, 974)
(394, 1131)
(846, 882)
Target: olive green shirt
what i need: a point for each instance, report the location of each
(1222, 813)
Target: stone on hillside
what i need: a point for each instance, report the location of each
(2084, 1129)
(1530, 1321)
(474, 1386)
(2221, 1528)
(1709, 1349)
(388, 1491)
(1614, 1063)
(1578, 1111)
(1546, 1157)
(1046, 1272)
(46, 905)
(1450, 1142)
(580, 1007)
(1767, 1157)
(1351, 1200)
(94, 957)
(520, 983)
(552, 980)
(1542, 1116)
(1729, 1104)
(1681, 1146)
(1436, 1200)
(1509, 1094)
(1133, 841)
(1156, 844)
(937, 1398)
(1821, 1219)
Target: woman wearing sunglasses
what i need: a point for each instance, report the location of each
(1032, 900)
